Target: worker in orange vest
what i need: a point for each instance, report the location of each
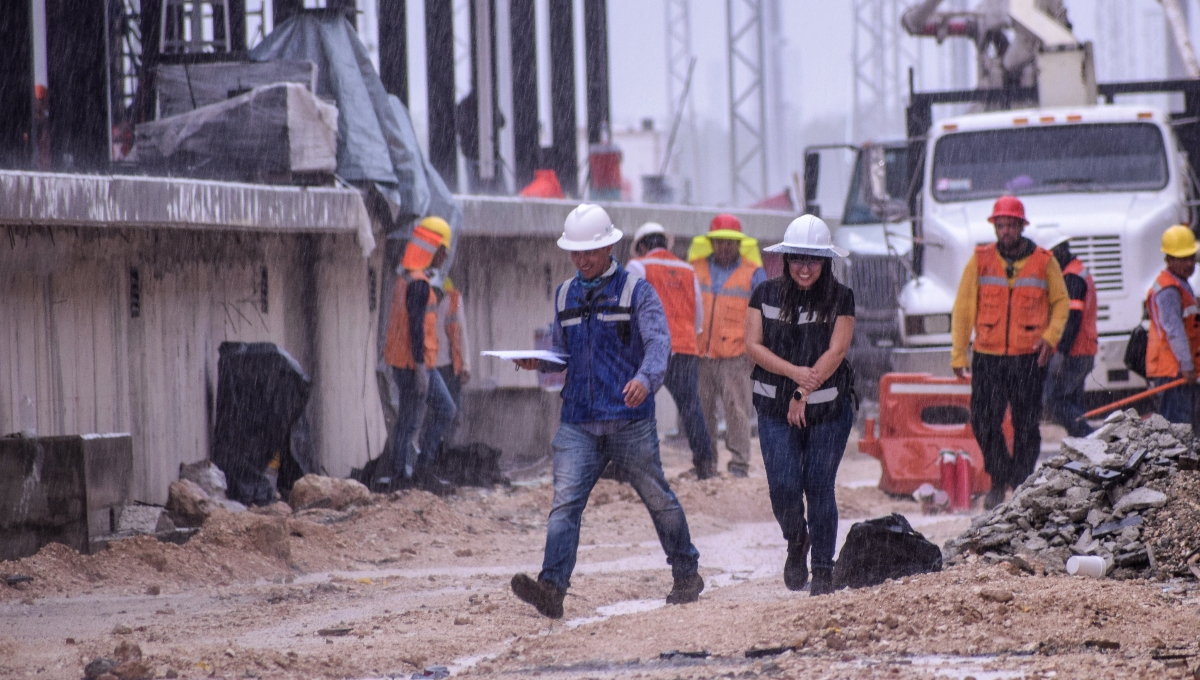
(1173, 348)
(452, 358)
(411, 348)
(728, 267)
(1075, 356)
(675, 282)
(1013, 296)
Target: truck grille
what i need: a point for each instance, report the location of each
(1102, 255)
(876, 281)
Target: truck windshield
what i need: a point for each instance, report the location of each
(857, 211)
(1049, 160)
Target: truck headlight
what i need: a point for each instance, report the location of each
(926, 324)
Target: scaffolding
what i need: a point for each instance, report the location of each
(747, 101)
(882, 55)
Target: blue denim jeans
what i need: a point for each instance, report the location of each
(419, 396)
(1178, 404)
(800, 463)
(440, 409)
(682, 382)
(1063, 395)
(579, 458)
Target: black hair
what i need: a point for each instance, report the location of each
(652, 241)
(821, 299)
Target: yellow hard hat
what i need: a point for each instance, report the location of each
(438, 226)
(1179, 241)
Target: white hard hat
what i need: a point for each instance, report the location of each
(1049, 237)
(588, 227)
(807, 235)
(647, 229)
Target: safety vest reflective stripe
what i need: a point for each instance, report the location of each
(574, 316)
(1087, 342)
(1009, 321)
(819, 397)
(1160, 360)
(1077, 305)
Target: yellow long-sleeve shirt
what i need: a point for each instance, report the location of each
(967, 302)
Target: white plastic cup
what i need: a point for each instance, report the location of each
(1086, 565)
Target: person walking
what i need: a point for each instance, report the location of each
(1013, 297)
(675, 282)
(610, 328)
(798, 330)
(728, 267)
(410, 348)
(1075, 356)
(1173, 346)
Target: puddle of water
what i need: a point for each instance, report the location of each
(959, 667)
(617, 609)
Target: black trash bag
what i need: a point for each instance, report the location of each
(884, 548)
(474, 464)
(261, 396)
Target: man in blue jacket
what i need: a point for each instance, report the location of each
(610, 327)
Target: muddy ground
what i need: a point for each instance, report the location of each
(412, 581)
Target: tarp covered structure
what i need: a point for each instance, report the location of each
(377, 145)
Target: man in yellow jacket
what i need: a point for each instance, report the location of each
(1012, 295)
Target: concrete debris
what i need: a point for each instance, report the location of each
(310, 491)
(1100, 496)
(207, 476)
(188, 505)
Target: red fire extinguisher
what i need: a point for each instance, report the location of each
(962, 481)
(946, 463)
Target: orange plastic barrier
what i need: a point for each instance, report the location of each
(919, 416)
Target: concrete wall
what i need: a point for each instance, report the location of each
(75, 358)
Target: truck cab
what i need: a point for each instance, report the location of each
(1111, 177)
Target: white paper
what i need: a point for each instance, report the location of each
(514, 354)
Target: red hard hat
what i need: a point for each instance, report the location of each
(1008, 206)
(725, 221)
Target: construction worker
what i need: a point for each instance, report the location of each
(1173, 345)
(675, 282)
(610, 328)
(798, 331)
(1013, 297)
(411, 348)
(1075, 356)
(452, 358)
(728, 267)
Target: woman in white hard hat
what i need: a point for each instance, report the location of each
(798, 330)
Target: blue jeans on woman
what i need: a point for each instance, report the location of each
(579, 458)
(800, 463)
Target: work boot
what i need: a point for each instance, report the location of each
(822, 581)
(541, 594)
(706, 469)
(739, 470)
(424, 479)
(994, 497)
(795, 569)
(686, 589)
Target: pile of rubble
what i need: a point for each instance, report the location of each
(1101, 495)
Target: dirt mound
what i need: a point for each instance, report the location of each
(1174, 536)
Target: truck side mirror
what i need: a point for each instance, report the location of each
(812, 175)
(875, 185)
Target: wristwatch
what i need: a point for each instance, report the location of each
(798, 395)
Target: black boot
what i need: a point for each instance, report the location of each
(822, 581)
(795, 569)
(994, 497)
(542, 594)
(706, 469)
(686, 589)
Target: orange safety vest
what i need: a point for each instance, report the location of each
(397, 349)
(675, 282)
(724, 334)
(1160, 360)
(454, 330)
(1087, 342)
(1010, 320)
